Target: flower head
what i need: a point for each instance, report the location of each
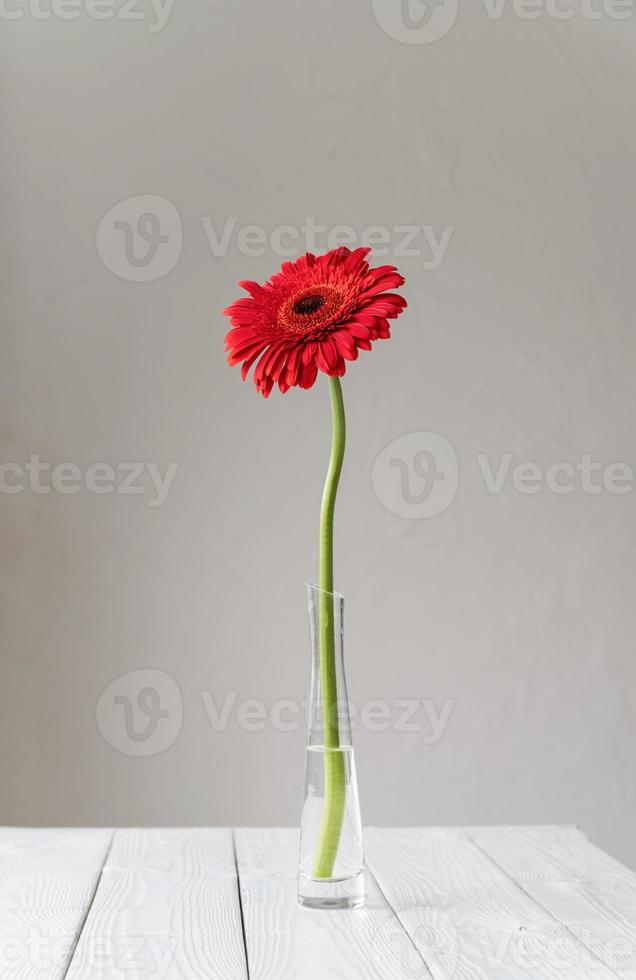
(313, 315)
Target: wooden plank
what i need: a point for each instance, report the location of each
(287, 942)
(466, 916)
(167, 906)
(589, 892)
(47, 881)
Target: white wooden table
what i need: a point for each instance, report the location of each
(212, 904)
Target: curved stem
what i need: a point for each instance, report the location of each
(335, 784)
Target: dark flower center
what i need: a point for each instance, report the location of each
(308, 304)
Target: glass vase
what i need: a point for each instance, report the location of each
(331, 872)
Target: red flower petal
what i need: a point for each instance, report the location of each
(346, 345)
(309, 375)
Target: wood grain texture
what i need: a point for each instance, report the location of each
(287, 942)
(47, 881)
(467, 917)
(507, 903)
(166, 908)
(589, 892)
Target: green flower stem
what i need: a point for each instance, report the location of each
(335, 786)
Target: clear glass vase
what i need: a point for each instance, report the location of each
(331, 873)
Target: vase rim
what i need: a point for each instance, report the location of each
(316, 588)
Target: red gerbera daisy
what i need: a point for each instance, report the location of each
(315, 314)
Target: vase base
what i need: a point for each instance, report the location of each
(332, 904)
(332, 894)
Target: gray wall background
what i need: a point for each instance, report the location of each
(509, 614)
